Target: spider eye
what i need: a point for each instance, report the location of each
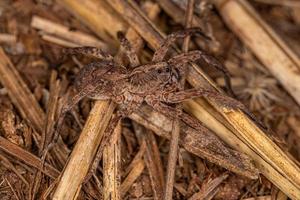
(159, 71)
(167, 69)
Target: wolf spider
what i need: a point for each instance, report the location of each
(155, 83)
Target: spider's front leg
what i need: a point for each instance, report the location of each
(148, 67)
(224, 100)
(88, 51)
(71, 102)
(161, 52)
(177, 97)
(192, 56)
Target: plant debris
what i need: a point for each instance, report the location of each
(36, 79)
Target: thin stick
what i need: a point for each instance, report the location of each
(97, 12)
(60, 31)
(134, 170)
(27, 157)
(7, 38)
(132, 176)
(290, 3)
(51, 110)
(12, 189)
(59, 41)
(47, 134)
(176, 13)
(111, 168)
(188, 23)
(209, 189)
(11, 167)
(21, 97)
(172, 159)
(20, 94)
(152, 159)
(85, 149)
(138, 156)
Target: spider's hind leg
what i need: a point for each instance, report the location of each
(88, 51)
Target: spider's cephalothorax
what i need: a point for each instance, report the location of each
(154, 80)
(156, 83)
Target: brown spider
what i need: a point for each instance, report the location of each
(155, 83)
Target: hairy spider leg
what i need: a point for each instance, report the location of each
(66, 107)
(177, 97)
(148, 67)
(196, 55)
(181, 59)
(88, 51)
(100, 54)
(161, 52)
(129, 51)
